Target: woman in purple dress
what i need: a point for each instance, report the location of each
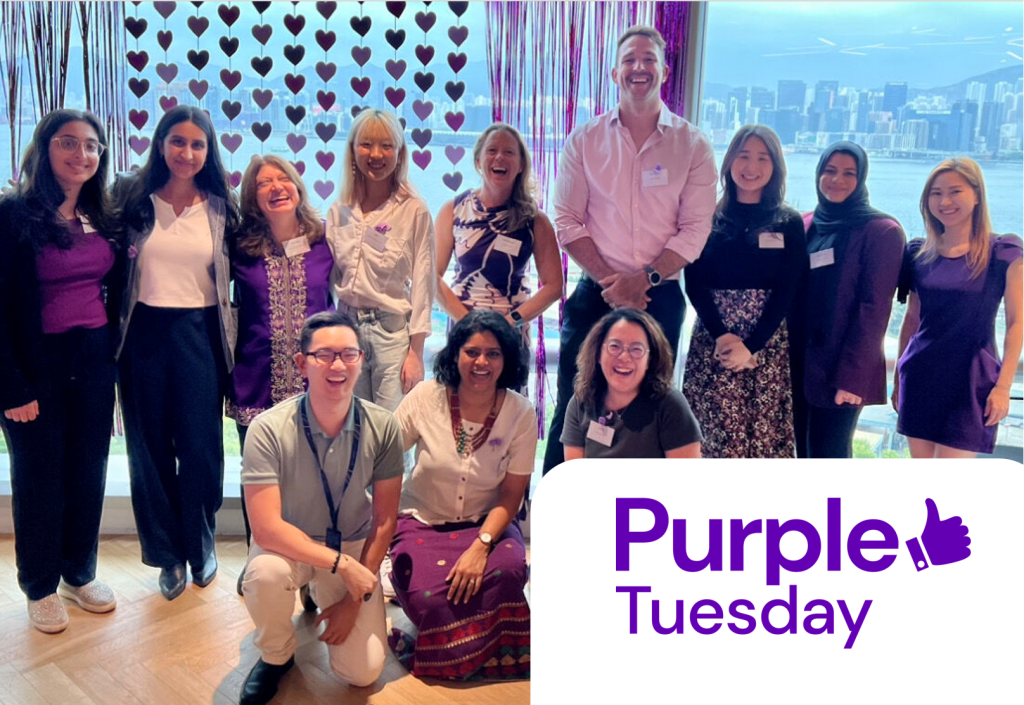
(951, 390)
(281, 266)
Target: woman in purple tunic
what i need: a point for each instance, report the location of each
(281, 266)
(951, 390)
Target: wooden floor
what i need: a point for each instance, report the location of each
(196, 649)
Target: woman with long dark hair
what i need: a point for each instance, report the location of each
(59, 298)
(177, 346)
(855, 253)
(738, 378)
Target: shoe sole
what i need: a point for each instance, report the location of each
(50, 628)
(87, 606)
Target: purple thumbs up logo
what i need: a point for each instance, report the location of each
(946, 540)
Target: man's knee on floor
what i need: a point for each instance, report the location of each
(359, 671)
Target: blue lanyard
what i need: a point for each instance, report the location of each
(328, 495)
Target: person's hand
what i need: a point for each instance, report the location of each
(340, 618)
(997, 406)
(736, 357)
(30, 411)
(626, 290)
(412, 371)
(724, 345)
(359, 581)
(466, 576)
(750, 364)
(844, 397)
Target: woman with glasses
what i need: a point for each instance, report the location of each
(623, 404)
(458, 554)
(177, 347)
(738, 377)
(383, 242)
(59, 300)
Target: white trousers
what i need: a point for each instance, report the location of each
(270, 587)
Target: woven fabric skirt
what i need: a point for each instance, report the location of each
(745, 414)
(488, 637)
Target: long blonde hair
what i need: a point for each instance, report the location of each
(981, 223)
(254, 237)
(522, 206)
(353, 183)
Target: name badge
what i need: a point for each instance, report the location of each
(508, 245)
(376, 240)
(332, 538)
(823, 258)
(658, 176)
(771, 241)
(601, 433)
(296, 246)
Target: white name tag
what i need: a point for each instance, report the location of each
(376, 240)
(601, 433)
(296, 246)
(823, 258)
(771, 241)
(508, 245)
(658, 176)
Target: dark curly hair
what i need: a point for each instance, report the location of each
(515, 370)
(590, 386)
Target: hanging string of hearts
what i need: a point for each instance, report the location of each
(423, 107)
(231, 78)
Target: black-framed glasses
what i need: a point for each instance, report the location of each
(617, 347)
(70, 144)
(327, 357)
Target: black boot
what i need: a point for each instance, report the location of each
(260, 686)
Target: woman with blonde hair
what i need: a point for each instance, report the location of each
(382, 237)
(951, 389)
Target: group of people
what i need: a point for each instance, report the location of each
(313, 333)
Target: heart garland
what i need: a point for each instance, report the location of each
(325, 69)
(295, 82)
(422, 108)
(394, 66)
(138, 60)
(231, 78)
(262, 65)
(168, 71)
(199, 58)
(455, 119)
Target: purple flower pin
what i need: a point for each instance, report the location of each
(133, 252)
(383, 228)
(494, 442)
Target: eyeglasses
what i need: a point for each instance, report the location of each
(327, 357)
(616, 348)
(71, 144)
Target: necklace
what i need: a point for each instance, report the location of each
(465, 443)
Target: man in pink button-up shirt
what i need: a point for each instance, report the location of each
(633, 206)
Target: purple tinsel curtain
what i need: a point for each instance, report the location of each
(672, 20)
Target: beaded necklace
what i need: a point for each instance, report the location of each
(466, 444)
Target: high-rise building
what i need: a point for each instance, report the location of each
(918, 129)
(894, 98)
(792, 94)
(740, 95)
(1000, 90)
(988, 125)
(761, 98)
(968, 120)
(825, 93)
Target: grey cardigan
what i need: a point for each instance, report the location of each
(134, 243)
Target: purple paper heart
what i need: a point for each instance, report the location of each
(421, 137)
(395, 96)
(231, 142)
(361, 55)
(167, 72)
(455, 89)
(262, 33)
(395, 8)
(135, 27)
(424, 53)
(356, 109)
(229, 45)
(167, 102)
(395, 39)
(422, 109)
(325, 160)
(262, 97)
(452, 181)
(261, 7)
(395, 68)
(262, 130)
(231, 109)
(454, 120)
(262, 65)
(326, 99)
(198, 25)
(296, 143)
(230, 79)
(421, 159)
(459, 8)
(425, 21)
(457, 61)
(294, 53)
(138, 144)
(295, 113)
(458, 34)
(229, 15)
(324, 189)
(300, 167)
(138, 60)
(325, 39)
(325, 130)
(326, 71)
(235, 178)
(326, 9)
(454, 154)
(164, 38)
(138, 86)
(294, 83)
(294, 23)
(423, 80)
(361, 25)
(138, 118)
(199, 59)
(164, 9)
(198, 88)
(360, 85)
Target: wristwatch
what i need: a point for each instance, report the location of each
(517, 317)
(653, 278)
(485, 539)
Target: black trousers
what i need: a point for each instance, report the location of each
(582, 310)
(173, 377)
(59, 463)
(830, 431)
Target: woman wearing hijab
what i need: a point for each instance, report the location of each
(855, 255)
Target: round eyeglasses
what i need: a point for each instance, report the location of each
(616, 348)
(70, 144)
(327, 357)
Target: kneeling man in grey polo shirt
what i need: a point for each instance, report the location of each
(322, 476)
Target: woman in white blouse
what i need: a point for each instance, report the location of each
(458, 554)
(177, 345)
(383, 242)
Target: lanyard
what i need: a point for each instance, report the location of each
(328, 495)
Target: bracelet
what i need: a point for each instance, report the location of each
(334, 568)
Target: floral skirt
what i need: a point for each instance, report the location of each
(488, 637)
(749, 413)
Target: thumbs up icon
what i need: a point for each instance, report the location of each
(946, 540)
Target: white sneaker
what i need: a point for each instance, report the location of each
(385, 581)
(48, 614)
(95, 596)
